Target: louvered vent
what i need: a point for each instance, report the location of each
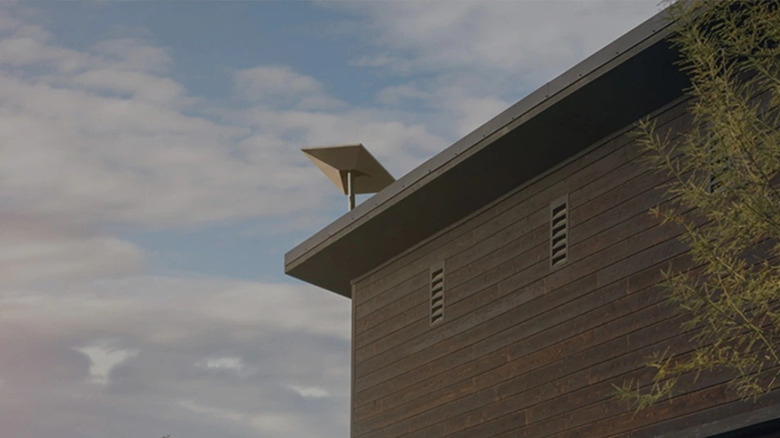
(718, 166)
(559, 232)
(716, 175)
(437, 293)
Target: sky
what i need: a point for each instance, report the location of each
(151, 181)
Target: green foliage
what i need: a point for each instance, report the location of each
(725, 175)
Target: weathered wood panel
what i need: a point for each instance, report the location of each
(525, 350)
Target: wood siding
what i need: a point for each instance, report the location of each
(525, 350)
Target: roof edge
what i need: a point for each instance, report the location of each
(654, 29)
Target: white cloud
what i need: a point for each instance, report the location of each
(27, 51)
(68, 257)
(231, 364)
(130, 84)
(8, 22)
(86, 157)
(279, 86)
(116, 141)
(399, 145)
(398, 94)
(270, 81)
(309, 391)
(268, 424)
(161, 310)
(158, 328)
(454, 55)
(223, 414)
(223, 363)
(472, 112)
(132, 54)
(103, 359)
(521, 37)
(33, 251)
(274, 423)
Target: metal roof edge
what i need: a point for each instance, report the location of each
(654, 28)
(638, 70)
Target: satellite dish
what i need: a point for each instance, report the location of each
(351, 168)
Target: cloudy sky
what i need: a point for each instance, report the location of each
(151, 181)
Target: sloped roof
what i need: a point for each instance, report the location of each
(609, 90)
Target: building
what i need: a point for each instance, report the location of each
(504, 286)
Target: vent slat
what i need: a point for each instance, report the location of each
(559, 223)
(436, 288)
(715, 181)
(718, 166)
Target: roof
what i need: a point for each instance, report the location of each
(609, 90)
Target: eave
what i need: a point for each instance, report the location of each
(609, 90)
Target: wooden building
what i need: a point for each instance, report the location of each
(504, 286)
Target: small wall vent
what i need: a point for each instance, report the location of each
(437, 293)
(559, 232)
(718, 168)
